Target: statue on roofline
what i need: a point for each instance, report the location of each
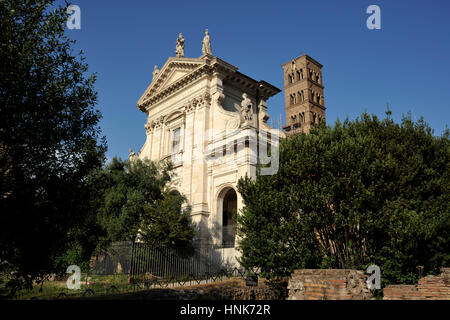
(206, 44)
(132, 155)
(179, 50)
(155, 71)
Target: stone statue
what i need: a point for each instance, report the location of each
(206, 44)
(131, 155)
(246, 108)
(179, 50)
(155, 71)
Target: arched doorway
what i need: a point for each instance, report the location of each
(229, 218)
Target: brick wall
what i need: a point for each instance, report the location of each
(428, 288)
(328, 284)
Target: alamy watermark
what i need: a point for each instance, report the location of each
(374, 20)
(73, 282)
(229, 147)
(374, 280)
(74, 19)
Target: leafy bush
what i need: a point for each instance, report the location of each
(367, 191)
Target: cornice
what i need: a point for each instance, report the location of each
(200, 101)
(199, 67)
(153, 97)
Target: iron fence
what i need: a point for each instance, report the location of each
(117, 259)
(163, 262)
(229, 236)
(135, 266)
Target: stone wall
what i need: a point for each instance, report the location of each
(307, 284)
(328, 284)
(428, 288)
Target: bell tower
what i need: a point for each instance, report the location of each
(303, 93)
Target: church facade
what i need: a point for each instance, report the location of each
(210, 120)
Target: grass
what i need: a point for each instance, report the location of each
(57, 289)
(92, 285)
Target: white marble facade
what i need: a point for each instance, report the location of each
(204, 115)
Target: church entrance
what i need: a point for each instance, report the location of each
(229, 218)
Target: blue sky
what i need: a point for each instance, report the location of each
(405, 64)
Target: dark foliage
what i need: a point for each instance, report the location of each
(361, 192)
(48, 137)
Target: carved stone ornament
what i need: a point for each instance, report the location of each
(220, 99)
(189, 107)
(232, 124)
(158, 122)
(149, 126)
(198, 102)
(262, 109)
(203, 100)
(236, 118)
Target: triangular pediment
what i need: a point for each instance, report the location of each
(174, 70)
(172, 77)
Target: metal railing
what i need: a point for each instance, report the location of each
(165, 262)
(117, 259)
(229, 236)
(131, 267)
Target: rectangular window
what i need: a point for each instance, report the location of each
(176, 140)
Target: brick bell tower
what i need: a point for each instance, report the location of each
(303, 92)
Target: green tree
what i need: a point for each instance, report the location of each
(48, 137)
(133, 201)
(361, 192)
